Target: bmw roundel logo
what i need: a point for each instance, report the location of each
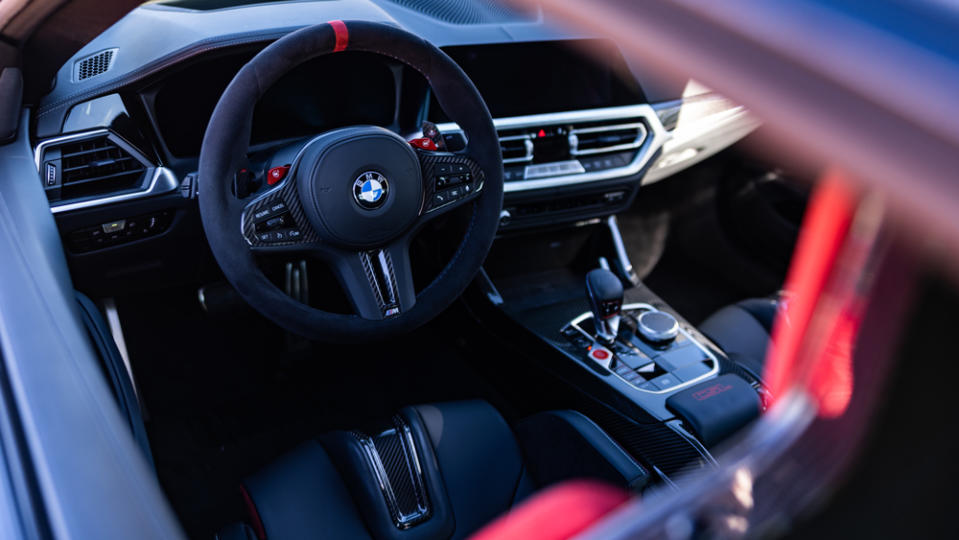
(370, 189)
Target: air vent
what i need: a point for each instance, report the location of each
(91, 166)
(547, 150)
(517, 147)
(93, 65)
(604, 137)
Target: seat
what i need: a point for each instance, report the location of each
(743, 330)
(433, 471)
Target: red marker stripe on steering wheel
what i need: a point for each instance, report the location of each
(342, 35)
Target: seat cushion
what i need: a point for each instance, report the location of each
(560, 445)
(742, 331)
(479, 460)
(465, 454)
(302, 495)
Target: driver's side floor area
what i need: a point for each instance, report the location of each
(223, 396)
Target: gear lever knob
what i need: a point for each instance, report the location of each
(605, 293)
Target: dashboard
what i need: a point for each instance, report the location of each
(581, 128)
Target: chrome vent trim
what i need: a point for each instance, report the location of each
(154, 181)
(94, 65)
(650, 137)
(525, 141)
(576, 139)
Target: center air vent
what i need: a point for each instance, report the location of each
(546, 150)
(517, 146)
(602, 137)
(93, 65)
(91, 166)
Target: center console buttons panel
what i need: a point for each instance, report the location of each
(659, 365)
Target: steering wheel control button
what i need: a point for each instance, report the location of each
(275, 222)
(270, 209)
(370, 190)
(657, 326)
(266, 237)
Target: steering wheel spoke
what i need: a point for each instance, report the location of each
(274, 222)
(378, 282)
(450, 180)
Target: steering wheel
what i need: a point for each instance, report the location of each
(353, 197)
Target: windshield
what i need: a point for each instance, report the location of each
(208, 5)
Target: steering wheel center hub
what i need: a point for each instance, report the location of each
(361, 186)
(370, 190)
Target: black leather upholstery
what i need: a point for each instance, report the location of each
(236, 531)
(560, 445)
(742, 331)
(472, 464)
(302, 495)
(480, 461)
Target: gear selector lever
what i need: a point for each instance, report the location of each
(605, 294)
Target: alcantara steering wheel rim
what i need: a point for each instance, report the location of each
(359, 234)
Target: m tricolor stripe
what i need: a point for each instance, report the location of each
(342, 35)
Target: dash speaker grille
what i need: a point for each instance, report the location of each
(93, 65)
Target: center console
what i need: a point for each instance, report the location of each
(661, 388)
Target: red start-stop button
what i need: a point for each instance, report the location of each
(600, 354)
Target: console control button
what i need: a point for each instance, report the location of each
(119, 231)
(634, 359)
(678, 357)
(623, 370)
(665, 382)
(657, 326)
(692, 371)
(601, 355)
